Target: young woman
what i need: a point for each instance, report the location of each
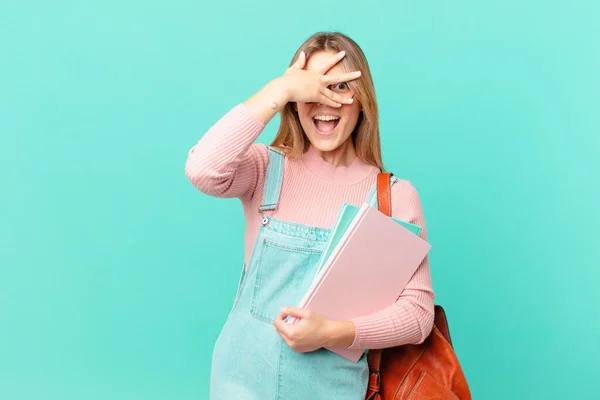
(326, 152)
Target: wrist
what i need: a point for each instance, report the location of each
(281, 90)
(268, 101)
(340, 333)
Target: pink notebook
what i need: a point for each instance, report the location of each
(367, 270)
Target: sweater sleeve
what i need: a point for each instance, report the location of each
(225, 162)
(410, 319)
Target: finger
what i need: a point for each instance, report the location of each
(280, 317)
(350, 76)
(331, 62)
(279, 321)
(337, 97)
(296, 312)
(301, 61)
(284, 329)
(328, 102)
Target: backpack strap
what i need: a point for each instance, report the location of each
(384, 193)
(374, 360)
(384, 204)
(372, 197)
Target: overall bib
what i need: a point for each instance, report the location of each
(250, 360)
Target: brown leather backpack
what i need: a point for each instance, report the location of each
(429, 370)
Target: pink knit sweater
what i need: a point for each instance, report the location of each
(227, 163)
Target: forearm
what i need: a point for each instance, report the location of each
(268, 101)
(339, 333)
(408, 321)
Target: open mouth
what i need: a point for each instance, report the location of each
(326, 124)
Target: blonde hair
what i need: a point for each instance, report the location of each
(291, 138)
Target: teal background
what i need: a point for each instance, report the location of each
(116, 274)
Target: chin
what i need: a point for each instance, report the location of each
(324, 145)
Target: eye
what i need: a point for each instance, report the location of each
(341, 87)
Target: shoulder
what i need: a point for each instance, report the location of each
(406, 202)
(259, 153)
(403, 189)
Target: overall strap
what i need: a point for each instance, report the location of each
(273, 180)
(372, 195)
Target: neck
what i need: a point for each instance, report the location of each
(339, 167)
(343, 156)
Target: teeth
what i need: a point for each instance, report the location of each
(326, 117)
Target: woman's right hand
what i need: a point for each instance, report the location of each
(306, 86)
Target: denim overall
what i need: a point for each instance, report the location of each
(250, 360)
